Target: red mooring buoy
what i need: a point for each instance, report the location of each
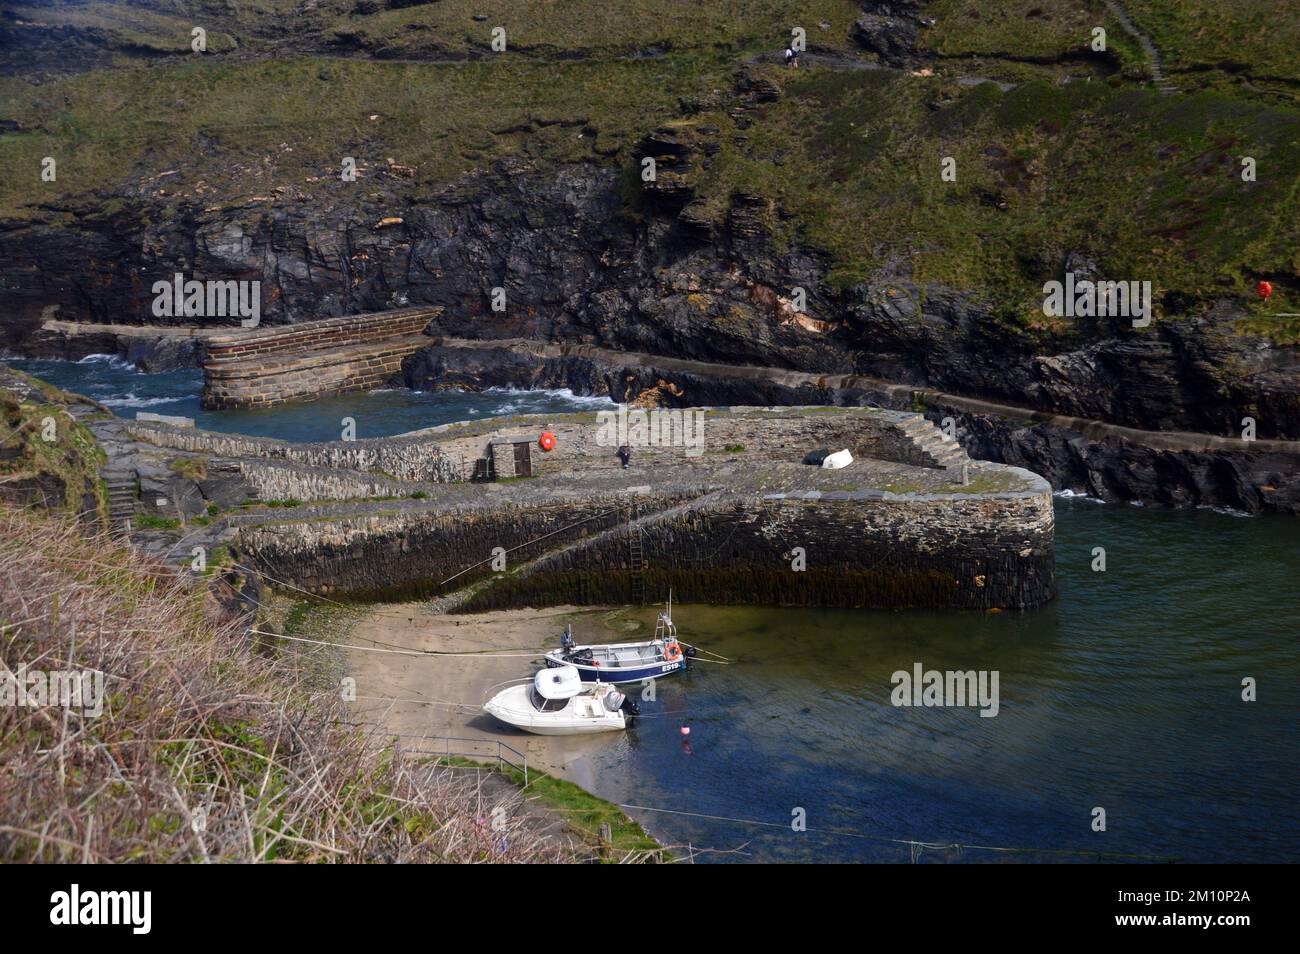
(547, 441)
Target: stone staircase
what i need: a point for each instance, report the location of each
(1154, 59)
(934, 447)
(121, 499)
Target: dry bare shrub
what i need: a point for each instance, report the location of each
(209, 747)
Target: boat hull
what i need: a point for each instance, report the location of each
(511, 707)
(619, 675)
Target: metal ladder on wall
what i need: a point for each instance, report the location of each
(635, 558)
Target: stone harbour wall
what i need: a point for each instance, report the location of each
(410, 554)
(289, 481)
(406, 459)
(315, 335)
(298, 363)
(937, 551)
(944, 552)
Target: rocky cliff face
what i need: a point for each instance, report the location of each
(578, 262)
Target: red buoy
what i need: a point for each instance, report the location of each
(547, 441)
(1265, 290)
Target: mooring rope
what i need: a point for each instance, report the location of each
(922, 845)
(267, 576)
(399, 652)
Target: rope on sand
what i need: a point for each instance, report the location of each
(491, 654)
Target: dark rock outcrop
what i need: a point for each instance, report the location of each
(892, 38)
(890, 30)
(576, 267)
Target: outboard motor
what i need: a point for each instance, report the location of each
(566, 639)
(616, 701)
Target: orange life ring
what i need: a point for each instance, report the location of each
(547, 441)
(672, 652)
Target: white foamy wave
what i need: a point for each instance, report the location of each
(563, 394)
(1226, 511)
(1069, 494)
(112, 360)
(130, 400)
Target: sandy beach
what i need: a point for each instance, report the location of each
(423, 700)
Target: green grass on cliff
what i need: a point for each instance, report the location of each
(127, 29)
(30, 412)
(1258, 39)
(1022, 30)
(198, 130)
(1147, 187)
(595, 27)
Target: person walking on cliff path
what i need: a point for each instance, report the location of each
(625, 455)
(791, 57)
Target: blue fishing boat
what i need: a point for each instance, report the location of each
(626, 662)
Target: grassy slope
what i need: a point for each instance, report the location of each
(1257, 37)
(72, 458)
(208, 748)
(1031, 29)
(601, 28)
(1148, 186)
(249, 127)
(132, 30)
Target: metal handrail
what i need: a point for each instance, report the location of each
(501, 757)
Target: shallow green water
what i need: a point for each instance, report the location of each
(1124, 694)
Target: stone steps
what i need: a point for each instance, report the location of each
(121, 499)
(944, 453)
(1154, 60)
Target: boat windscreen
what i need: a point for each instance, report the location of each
(542, 704)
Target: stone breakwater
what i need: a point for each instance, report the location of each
(1105, 460)
(272, 366)
(850, 549)
(911, 522)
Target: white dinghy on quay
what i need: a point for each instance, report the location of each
(557, 702)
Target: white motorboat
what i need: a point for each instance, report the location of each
(557, 702)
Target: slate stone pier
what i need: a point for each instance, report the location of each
(736, 518)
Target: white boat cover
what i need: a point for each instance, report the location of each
(561, 683)
(837, 460)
